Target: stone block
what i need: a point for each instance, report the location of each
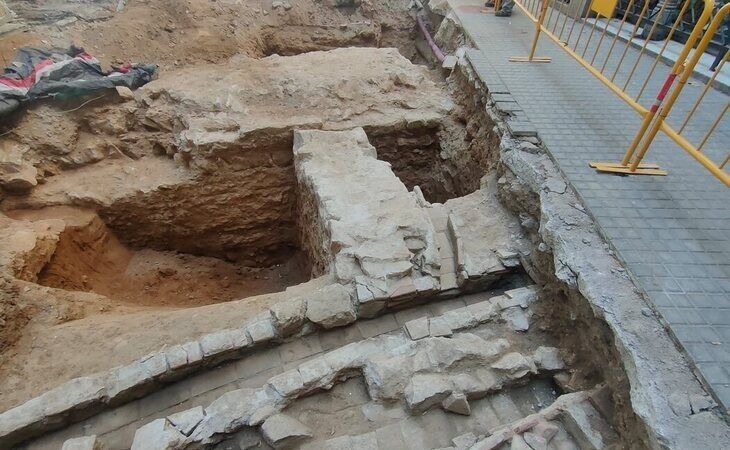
(586, 425)
(505, 302)
(426, 391)
(371, 308)
(216, 343)
(186, 421)
(227, 413)
(288, 384)
(457, 403)
(425, 285)
(387, 376)
(418, 328)
(516, 319)
(157, 435)
(515, 365)
(177, 357)
(331, 307)
(126, 379)
(83, 443)
(449, 62)
(261, 330)
(524, 296)
(403, 289)
(483, 312)
(283, 432)
(438, 326)
(548, 358)
(289, 316)
(194, 351)
(460, 318)
(316, 373)
(448, 281)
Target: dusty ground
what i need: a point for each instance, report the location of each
(172, 33)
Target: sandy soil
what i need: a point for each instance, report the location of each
(88, 257)
(173, 33)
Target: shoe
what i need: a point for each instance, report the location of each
(489, 4)
(502, 13)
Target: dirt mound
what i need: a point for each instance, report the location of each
(174, 33)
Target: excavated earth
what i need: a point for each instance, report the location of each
(305, 233)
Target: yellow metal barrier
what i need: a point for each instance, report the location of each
(656, 119)
(609, 72)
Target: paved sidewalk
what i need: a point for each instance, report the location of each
(672, 232)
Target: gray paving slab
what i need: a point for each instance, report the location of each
(672, 232)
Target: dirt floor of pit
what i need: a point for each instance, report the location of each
(89, 258)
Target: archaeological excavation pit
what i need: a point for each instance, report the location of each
(331, 242)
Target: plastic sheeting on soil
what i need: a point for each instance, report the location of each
(62, 73)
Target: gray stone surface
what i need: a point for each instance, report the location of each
(186, 421)
(479, 224)
(548, 358)
(331, 307)
(514, 364)
(417, 328)
(672, 232)
(282, 431)
(438, 326)
(215, 343)
(288, 384)
(516, 318)
(583, 422)
(83, 443)
(289, 316)
(387, 364)
(464, 441)
(262, 330)
(158, 435)
(457, 403)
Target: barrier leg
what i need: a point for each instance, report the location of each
(538, 27)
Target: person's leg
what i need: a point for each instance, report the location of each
(718, 58)
(506, 8)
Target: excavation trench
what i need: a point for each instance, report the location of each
(241, 227)
(236, 231)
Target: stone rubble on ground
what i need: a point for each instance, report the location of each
(457, 403)
(83, 443)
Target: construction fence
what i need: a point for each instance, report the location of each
(599, 36)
